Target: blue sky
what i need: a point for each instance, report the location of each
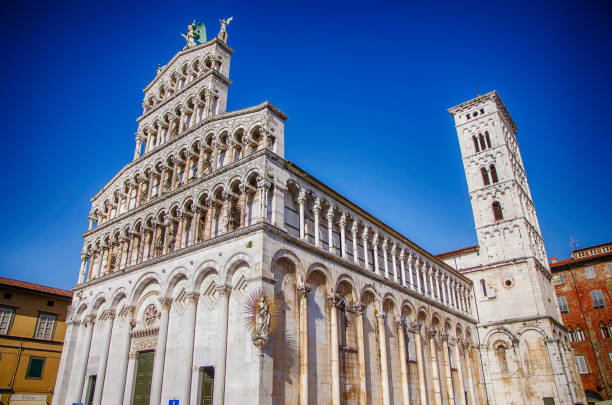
(366, 87)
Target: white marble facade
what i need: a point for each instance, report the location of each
(208, 213)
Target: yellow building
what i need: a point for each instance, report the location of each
(32, 329)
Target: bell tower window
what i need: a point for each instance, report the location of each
(485, 176)
(493, 171)
(497, 211)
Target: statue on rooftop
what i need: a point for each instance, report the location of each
(222, 35)
(195, 32)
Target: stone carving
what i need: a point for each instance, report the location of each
(261, 318)
(222, 35)
(195, 32)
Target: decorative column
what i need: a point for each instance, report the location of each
(359, 310)
(138, 192)
(137, 149)
(160, 352)
(375, 253)
(401, 336)
(410, 260)
(263, 186)
(148, 146)
(219, 387)
(458, 365)
(211, 206)
(301, 200)
(342, 224)
(334, 303)
(415, 328)
(128, 310)
(316, 210)
(227, 212)
(394, 262)
(384, 363)
(354, 230)
(179, 231)
(80, 364)
(417, 275)
(109, 318)
(172, 172)
(402, 259)
(447, 370)
(364, 238)
(384, 247)
(468, 370)
(303, 292)
(244, 196)
(190, 316)
(82, 269)
(201, 157)
(330, 229)
(435, 371)
(438, 289)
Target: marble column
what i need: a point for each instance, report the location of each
(354, 229)
(263, 186)
(334, 303)
(359, 310)
(243, 200)
(375, 253)
(384, 363)
(416, 330)
(80, 364)
(434, 366)
(417, 276)
(394, 262)
(223, 292)
(411, 283)
(191, 303)
(303, 292)
(402, 259)
(468, 370)
(301, 201)
(342, 225)
(109, 319)
(160, 352)
(82, 269)
(458, 364)
(438, 289)
(401, 336)
(384, 247)
(316, 211)
(330, 229)
(126, 341)
(447, 370)
(364, 238)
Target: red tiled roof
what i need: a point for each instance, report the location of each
(591, 247)
(34, 287)
(577, 261)
(458, 251)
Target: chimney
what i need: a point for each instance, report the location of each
(553, 259)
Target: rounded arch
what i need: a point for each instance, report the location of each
(119, 295)
(233, 263)
(321, 268)
(143, 282)
(174, 277)
(203, 270)
(345, 288)
(292, 257)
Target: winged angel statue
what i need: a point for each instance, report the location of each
(195, 32)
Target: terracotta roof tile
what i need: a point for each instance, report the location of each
(34, 287)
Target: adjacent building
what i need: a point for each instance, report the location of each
(583, 284)
(215, 271)
(32, 329)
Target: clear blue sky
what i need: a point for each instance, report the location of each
(366, 88)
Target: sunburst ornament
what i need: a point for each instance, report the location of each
(261, 317)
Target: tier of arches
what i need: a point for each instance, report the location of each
(198, 217)
(178, 78)
(190, 161)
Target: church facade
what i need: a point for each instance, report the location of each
(214, 271)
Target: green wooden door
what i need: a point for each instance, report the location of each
(144, 375)
(207, 377)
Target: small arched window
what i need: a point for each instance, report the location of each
(494, 178)
(485, 176)
(501, 357)
(497, 211)
(482, 142)
(475, 143)
(488, 139)
(483, 285)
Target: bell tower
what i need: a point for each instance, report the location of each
(519, 322)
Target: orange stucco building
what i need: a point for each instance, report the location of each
(32, 329)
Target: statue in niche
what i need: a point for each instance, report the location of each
(222, 35)
(171, 240)
(195, 32)
(159, 245)
(262, 317)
